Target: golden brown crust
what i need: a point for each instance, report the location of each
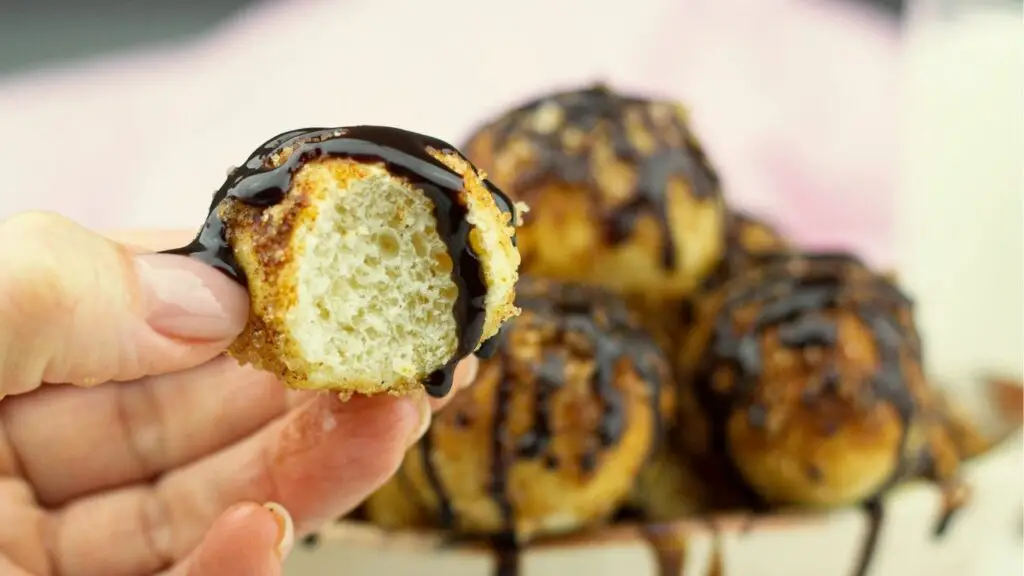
(268, 241)
(502, 223)
(266, 244)
(620, 191)
(568, 404)
(803, 375)
(671, 487)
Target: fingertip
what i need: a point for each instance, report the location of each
(370, 429)
(95, 312)
(247, 522)
(243, 541)
(331, 454)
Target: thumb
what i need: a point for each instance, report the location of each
(247, 540)
(78, 308)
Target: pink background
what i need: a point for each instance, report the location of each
(797, 100)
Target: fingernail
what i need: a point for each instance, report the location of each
(424, 413)
(285, 529)
(466, 371)
(187, 299)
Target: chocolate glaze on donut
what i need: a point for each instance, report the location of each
(741, 252)
(612, 335)
(405, 154)
(599, 114)
(607, 323)
(794, 292)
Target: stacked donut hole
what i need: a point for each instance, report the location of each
(667, 344)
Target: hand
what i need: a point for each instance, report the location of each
(129, 445)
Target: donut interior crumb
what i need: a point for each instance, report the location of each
(375, 294)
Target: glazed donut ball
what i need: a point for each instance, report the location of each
(552, 434)
(747, 239)
(375, 258)
(619, 189)
(803, 378)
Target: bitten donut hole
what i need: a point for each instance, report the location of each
(374, 296)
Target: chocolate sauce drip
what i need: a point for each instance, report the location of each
(504, 544)
(603, 321)
(599, 112)
(502, 456)
(794, 294)
(405, 154)
(549, 380)
(310, 541)
(875, 512)
(668, 547)
(953, 501)
(945, 521)
(506, 555)
(445, 511)
(606, 324)
(491, 346)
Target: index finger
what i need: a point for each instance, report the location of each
(171, 238)
(319, 461)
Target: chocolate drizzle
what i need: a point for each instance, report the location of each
(875, 512)
(794, 294)
(578, 322)
(603, 118)
(954, 497)
(445, 510)
(945, 520)
(588, 321)
(507, 552)
(260, 183)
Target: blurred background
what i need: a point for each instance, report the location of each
(894, 128)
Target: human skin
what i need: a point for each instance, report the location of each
(129, 444)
